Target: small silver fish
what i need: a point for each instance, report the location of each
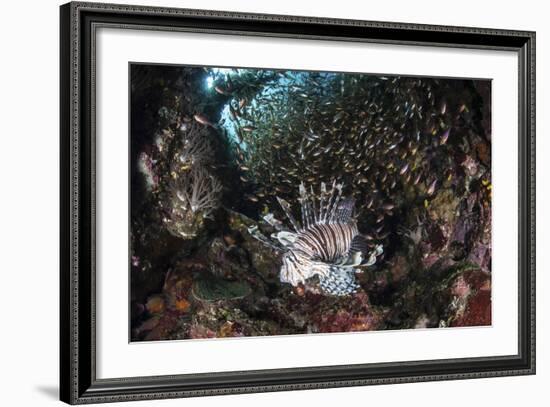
(445, 137)
(431, 188)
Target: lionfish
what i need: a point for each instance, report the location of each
(327, 242)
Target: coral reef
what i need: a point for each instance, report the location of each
(193, 195)
(215, 150)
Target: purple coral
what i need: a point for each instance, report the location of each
(146, 166)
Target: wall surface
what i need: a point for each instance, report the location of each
(29, 202)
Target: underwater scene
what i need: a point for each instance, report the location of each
(275, 202)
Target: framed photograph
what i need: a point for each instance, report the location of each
(255, 203)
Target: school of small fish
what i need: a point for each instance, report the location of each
(386, 137)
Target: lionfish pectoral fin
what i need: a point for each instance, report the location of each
(273, 222)
(254, 231)
(357, 258)
(353, 259)
(285, 238)
(340, 281)
(319, 268)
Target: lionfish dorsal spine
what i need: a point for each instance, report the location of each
(334, 208)
(330, 200)
(322, 196)
(325, 208)
(286, 208)
(344, 211)
(310, 213)
(313, 208)
(307, 216)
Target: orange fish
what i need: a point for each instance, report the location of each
(203, 120)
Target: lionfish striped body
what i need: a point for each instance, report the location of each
(326, 244)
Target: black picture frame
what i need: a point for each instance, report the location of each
(78, 382)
